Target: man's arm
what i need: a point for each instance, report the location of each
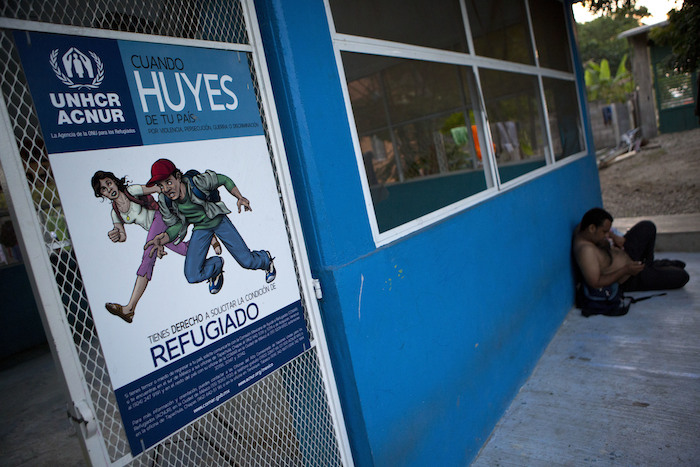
(158, 244)
(171, 220)
(242, 201)
(587, 259)
(169, 217)
(618, 240)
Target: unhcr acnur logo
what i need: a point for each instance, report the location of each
(78, 70)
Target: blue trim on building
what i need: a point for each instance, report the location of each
(315, 130)
(432, 335)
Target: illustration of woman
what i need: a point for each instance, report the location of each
(134, 204)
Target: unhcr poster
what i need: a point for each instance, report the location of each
(161, 164)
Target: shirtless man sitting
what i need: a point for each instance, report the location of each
(604, 257)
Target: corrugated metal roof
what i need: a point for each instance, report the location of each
(641, 29)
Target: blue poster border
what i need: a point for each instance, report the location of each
(116, 101)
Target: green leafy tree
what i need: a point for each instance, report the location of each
(608, 7)
(602, 85)
(598, 40)
(601, 50)
(682, 34)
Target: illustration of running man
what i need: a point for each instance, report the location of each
(193, 198)
(133, 204)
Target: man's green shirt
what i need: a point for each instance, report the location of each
(195, 214)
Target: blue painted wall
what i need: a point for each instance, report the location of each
(432, 335)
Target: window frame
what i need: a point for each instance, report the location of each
(363, 45)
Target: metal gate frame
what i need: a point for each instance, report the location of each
(88, 419)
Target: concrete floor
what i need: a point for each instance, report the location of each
(612, 391)
(35, 429)
(607, 391)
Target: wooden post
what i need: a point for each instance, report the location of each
(641, 70)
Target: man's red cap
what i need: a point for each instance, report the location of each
(160, 170)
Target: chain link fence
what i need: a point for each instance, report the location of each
(284, 419)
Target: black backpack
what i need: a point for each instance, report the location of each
(608, 301)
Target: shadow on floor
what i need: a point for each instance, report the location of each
(35, 429)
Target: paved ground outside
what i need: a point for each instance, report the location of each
(35, 429)
(661, 179)
(612, 391)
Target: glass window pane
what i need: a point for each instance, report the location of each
(514, 110)
(564, 117)
(500, 30)
(366, 89)
(416, 89)
(416, 128)
(418, 22)
(551, 38)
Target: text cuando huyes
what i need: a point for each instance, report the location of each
(159, 89)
